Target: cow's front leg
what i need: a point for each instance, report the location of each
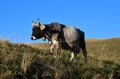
(55, 48)
(58, 50)
(52, 51)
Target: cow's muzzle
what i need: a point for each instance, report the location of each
(33, 38)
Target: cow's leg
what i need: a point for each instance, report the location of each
(55, 48)
(52, 50)
(73, 54)
(58, 51)
(75, 50)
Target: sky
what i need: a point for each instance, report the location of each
(97, 18)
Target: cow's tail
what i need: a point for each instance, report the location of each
(82, 40)
(83, 45)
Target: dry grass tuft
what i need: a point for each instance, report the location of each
(24, 61)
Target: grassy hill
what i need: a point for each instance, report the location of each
(33, 61)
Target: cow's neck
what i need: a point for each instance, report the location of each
(47, 35)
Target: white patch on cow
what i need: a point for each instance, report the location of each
(72, 56)
(70, 34)
(33, 37)
(51, 48)
(54, 42)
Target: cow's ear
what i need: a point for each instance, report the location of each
(42, 27)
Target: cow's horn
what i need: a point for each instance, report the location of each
(32, 23)
(38, 20)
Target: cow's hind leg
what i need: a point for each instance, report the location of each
(73, 55)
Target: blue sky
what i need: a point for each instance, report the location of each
(97, 18)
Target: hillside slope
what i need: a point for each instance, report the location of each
(110, 48)
(33, 61)
(105, 49)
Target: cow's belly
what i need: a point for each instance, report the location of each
(67, 45)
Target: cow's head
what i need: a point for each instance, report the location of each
(37, 30)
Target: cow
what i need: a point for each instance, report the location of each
(60, 37)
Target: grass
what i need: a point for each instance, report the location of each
(33, 61)
(107, 49)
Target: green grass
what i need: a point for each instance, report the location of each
(33, 61)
